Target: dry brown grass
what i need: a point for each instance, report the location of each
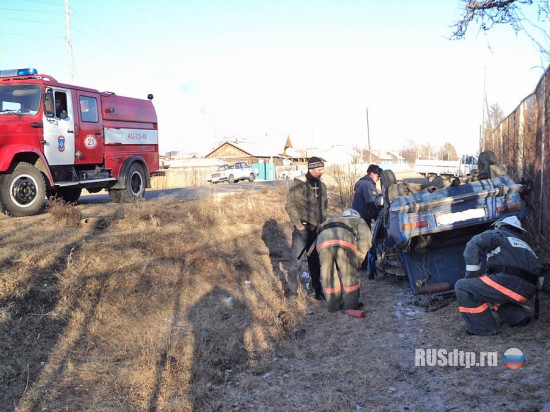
(171, 295)
(178, 306)
(63, 213)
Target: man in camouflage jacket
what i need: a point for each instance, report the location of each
(306, 205)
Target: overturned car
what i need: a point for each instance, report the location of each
(424, 226)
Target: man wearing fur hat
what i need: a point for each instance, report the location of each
(306, 205)
(512, 278)
(342, 244)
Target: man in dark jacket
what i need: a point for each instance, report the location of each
(306, 205)
(366, 198)
(513, 272)
(342, 244)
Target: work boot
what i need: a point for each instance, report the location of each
(320, 296)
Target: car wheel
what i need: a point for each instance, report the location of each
(251, 177)
(231, 179)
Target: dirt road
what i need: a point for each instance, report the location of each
(346, 364)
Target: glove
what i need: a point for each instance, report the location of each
(472, 274)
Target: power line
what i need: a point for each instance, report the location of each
(102, 37)
(112, 38)
(30, 21)
(43, 2)
(32, 11)
(98, 28)
(27, 34)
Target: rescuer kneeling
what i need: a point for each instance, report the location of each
(513, 276)
(342, 244)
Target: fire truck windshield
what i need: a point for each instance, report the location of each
(21, 99)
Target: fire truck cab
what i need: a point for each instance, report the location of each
(57, 139)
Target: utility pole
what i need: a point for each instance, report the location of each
(69, 45)
(368, 137)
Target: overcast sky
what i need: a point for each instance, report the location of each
(261, 69)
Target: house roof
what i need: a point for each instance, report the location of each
(264, 148)
(194, 162)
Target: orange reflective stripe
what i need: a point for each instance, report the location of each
(352, 288)
(479, 309)
(332, 290)
(336, 242)
(510, 293)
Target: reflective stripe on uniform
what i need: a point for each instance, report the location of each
(479, 309)
(336, 242)
(504, 290)
(332, 290)
(493, 252)
(352, 288)
(473, 268)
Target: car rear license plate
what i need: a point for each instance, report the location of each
(450, 218)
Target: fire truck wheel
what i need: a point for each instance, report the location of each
(115, 195)
(22, 191)
(69, 194)
(135, 186)
(231, 179)
(251, 177)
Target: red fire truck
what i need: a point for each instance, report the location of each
(57, 139)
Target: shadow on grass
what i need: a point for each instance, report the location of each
(31, 335)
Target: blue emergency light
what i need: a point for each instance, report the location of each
(17, 72)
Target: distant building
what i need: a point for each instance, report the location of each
(248, 152)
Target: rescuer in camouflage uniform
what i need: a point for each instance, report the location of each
(306, 205)
(342, 244)
(512, 278)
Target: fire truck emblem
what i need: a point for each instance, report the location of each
(90, 141)
(61, 143)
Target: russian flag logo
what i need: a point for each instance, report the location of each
(513, 358)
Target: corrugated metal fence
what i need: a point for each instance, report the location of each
(521, 143)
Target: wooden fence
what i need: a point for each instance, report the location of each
(521, 143)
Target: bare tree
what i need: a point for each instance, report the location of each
(427, 151)
(409, 151)
(447, 152)
(495, 116)
(346, 175)
(489, 13)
